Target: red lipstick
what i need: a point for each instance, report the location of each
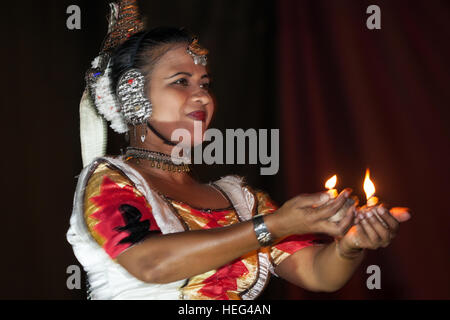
(198, 115)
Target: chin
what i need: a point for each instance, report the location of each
(191, 134)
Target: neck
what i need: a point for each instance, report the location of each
(153, 143)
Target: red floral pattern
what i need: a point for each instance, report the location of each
(215, 219)
(294, 243)
(223, 284)
(224, 280)
(289, 244)
(111, 197)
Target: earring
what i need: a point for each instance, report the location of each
(143, 136)
(134, 105)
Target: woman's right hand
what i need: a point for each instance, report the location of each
(309, 213)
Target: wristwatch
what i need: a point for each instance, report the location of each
(262, 233)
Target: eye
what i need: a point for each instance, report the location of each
(182, 82)
(206, 85)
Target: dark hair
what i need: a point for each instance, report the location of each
(143, 50)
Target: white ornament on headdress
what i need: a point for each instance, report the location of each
(107, 103)
(93, 131)
(95, 63)
(99, 104)
(93, 116)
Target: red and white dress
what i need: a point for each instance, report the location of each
(115, 209)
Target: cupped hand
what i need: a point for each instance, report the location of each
(309, 213)
(374, 227)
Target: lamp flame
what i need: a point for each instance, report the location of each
(331, 183)
(369, 187)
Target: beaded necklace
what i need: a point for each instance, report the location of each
(159, 160)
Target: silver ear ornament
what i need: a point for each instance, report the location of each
(134, 105)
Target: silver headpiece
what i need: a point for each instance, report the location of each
(99, 103)
(124, 21)
(134, 106)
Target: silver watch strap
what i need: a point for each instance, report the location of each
(262, 233)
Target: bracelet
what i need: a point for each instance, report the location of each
(347, 257)
(262, 233)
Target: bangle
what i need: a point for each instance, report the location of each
(262, 233)
(347, 257)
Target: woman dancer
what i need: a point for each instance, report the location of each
(144, 228)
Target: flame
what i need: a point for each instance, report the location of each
(331, 183)
(369, 187)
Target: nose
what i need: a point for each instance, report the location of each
(201, 97)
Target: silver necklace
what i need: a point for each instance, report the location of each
(159, 160)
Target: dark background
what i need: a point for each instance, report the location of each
(345, 98)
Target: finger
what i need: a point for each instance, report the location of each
(330, 228)
(339, 229)
(383, 232)
(383, 223)
(312, 199)
(400, 214)
(331, 207)
(357, 219)
(388, 218)
(361, 239)
(370, 231)
(346, 222)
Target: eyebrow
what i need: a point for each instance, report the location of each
(188, 74)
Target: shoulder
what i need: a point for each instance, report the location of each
(106, 185)
(116, 213)
(259, 201)
(105, 172)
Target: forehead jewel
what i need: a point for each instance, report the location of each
(197, 52)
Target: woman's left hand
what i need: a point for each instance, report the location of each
(374, 228)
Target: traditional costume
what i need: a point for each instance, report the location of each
(114, 208)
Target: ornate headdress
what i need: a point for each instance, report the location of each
(197, 52)
(126, 106)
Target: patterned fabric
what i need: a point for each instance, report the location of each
(229, 281)
(291, 244)
(119, 216)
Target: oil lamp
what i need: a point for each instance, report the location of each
(330, 185)
(369, 189)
